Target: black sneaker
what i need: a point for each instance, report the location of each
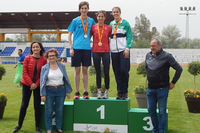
(17, 128)
(77, 95)
(85, 95)
(119, 96)
(59, 131)
(37, 129)
(124, 96)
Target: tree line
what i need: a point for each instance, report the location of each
(35, 37)
(142, 34)
(170, 35)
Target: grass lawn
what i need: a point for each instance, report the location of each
(179, 119)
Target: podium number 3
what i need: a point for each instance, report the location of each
(102, 111)
(148, 119)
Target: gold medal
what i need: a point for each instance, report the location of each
(114, 37)
(100, 35)
(100, 43)
(85, 36)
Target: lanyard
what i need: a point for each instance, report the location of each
(100, 34)
(115, 28)
(84, 28)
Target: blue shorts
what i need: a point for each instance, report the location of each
(81, 57)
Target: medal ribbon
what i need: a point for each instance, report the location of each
(100, 35)
(115, 29)
(84, 28)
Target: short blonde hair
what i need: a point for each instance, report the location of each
(51, 50)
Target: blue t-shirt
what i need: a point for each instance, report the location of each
(79, 42)
(21, 58)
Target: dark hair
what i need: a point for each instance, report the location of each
(101, 11)
(42, 51)
(51, 50)
(83, 3)
(117, 8)
(20, 50)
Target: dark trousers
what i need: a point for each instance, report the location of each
(26, 95)
(121, 68)
(106, 66)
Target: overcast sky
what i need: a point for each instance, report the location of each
(161, 13)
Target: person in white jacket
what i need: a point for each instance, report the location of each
(120, 43)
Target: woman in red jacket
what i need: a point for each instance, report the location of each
(31, 82)
(101, 51)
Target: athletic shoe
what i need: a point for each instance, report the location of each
(85, 95)
(105, 96)
(119, 96)
(59, 131)
(124, 96)
(99, 95)
(17, 128)
(77, 95)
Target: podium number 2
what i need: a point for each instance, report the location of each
(102, 111)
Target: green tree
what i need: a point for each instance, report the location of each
(21, 37)
(142, 31)
(170, 34)
(142, 71)
(9, 39)
(50, 37)
(2, 71)
(38, 37)
(194, 43)
(182, 43)
(194, 69)
(142, 44)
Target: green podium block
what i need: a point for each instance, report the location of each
(68, 118)
(139, 121)
(101, 115)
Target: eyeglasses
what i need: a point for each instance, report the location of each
(51, 56)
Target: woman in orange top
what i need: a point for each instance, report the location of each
(101, 51)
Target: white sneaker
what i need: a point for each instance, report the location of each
(105, 96)
(99, 95)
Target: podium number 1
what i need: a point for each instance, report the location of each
(102, 111)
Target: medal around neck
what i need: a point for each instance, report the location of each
(85, 28)
(100, 43)
(115, 28)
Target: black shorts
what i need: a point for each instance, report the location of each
(81, 57)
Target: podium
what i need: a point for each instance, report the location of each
(140, 121)
(101, 115)
(68, 113)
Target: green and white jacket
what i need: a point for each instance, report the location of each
(124, 38)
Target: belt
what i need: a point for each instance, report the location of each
(56, 87)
